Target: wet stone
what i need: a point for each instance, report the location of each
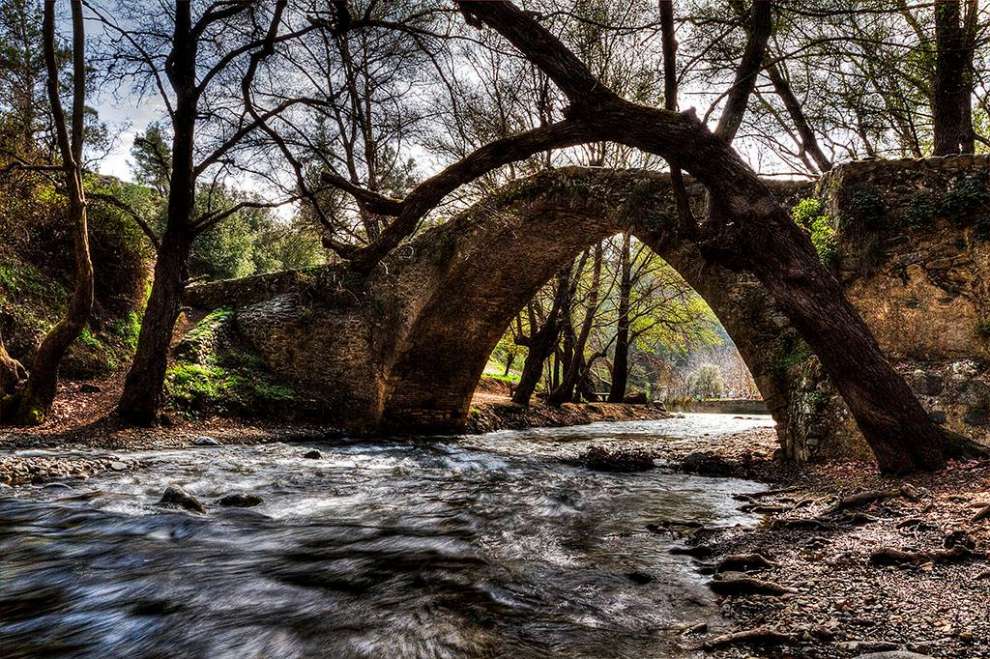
(175, 497)
(240, 500)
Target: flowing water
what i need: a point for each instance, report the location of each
(494, 545)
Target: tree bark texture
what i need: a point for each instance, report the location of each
(620, 359)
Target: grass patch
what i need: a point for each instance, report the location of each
(511, 378)
(199, 388)
(216, 373)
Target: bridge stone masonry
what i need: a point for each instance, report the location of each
(405, 346)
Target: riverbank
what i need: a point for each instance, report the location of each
(855, 562)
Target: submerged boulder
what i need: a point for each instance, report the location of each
(175, 497)
(240, 500)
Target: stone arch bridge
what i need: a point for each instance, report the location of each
(406, 345)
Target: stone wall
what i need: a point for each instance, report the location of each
(914, 257)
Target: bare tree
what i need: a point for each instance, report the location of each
(194, 65)
(34, 402)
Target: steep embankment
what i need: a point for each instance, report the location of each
(36, 276)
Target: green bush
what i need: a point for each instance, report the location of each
(706, 382)
(810, 215)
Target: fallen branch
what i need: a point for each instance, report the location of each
(982, 514)
(893, 556)
(758, 636)
(743, 585)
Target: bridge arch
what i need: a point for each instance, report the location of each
(498, 255)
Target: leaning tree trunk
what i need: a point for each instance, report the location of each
(35, 401)
(141, 398)
(142, 393)
(620, 361)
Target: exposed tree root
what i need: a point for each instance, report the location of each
(744, 563)
(984, 513)
(894, 556)
(758, 636)
(731, 584)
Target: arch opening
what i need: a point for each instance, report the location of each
(502, 253)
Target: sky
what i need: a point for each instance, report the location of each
(126, 115)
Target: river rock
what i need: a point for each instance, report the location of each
(706, 464)
(176, 497)
(313, 455)
(893, 654)
(203, 440)
(240, 500)
(639, 578)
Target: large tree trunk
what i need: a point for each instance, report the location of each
(35, 401)
(950, 93)
(620, 360)
(142, 393)
(141, 398)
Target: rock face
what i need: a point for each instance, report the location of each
(405, 345)
(914, 257)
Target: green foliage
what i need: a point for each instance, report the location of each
(250, 241)
(796, 353)
(922, 210)
(968, 193)
(215, 373)
(810, 215)
(867, 208)
(706, 382)
(127, 330)
(199, 387)
(88, 339)
(511, 378)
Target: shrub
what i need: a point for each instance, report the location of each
(706, 382)
(810, 215)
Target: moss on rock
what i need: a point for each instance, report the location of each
(216, 372)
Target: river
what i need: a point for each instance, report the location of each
(491, 545)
